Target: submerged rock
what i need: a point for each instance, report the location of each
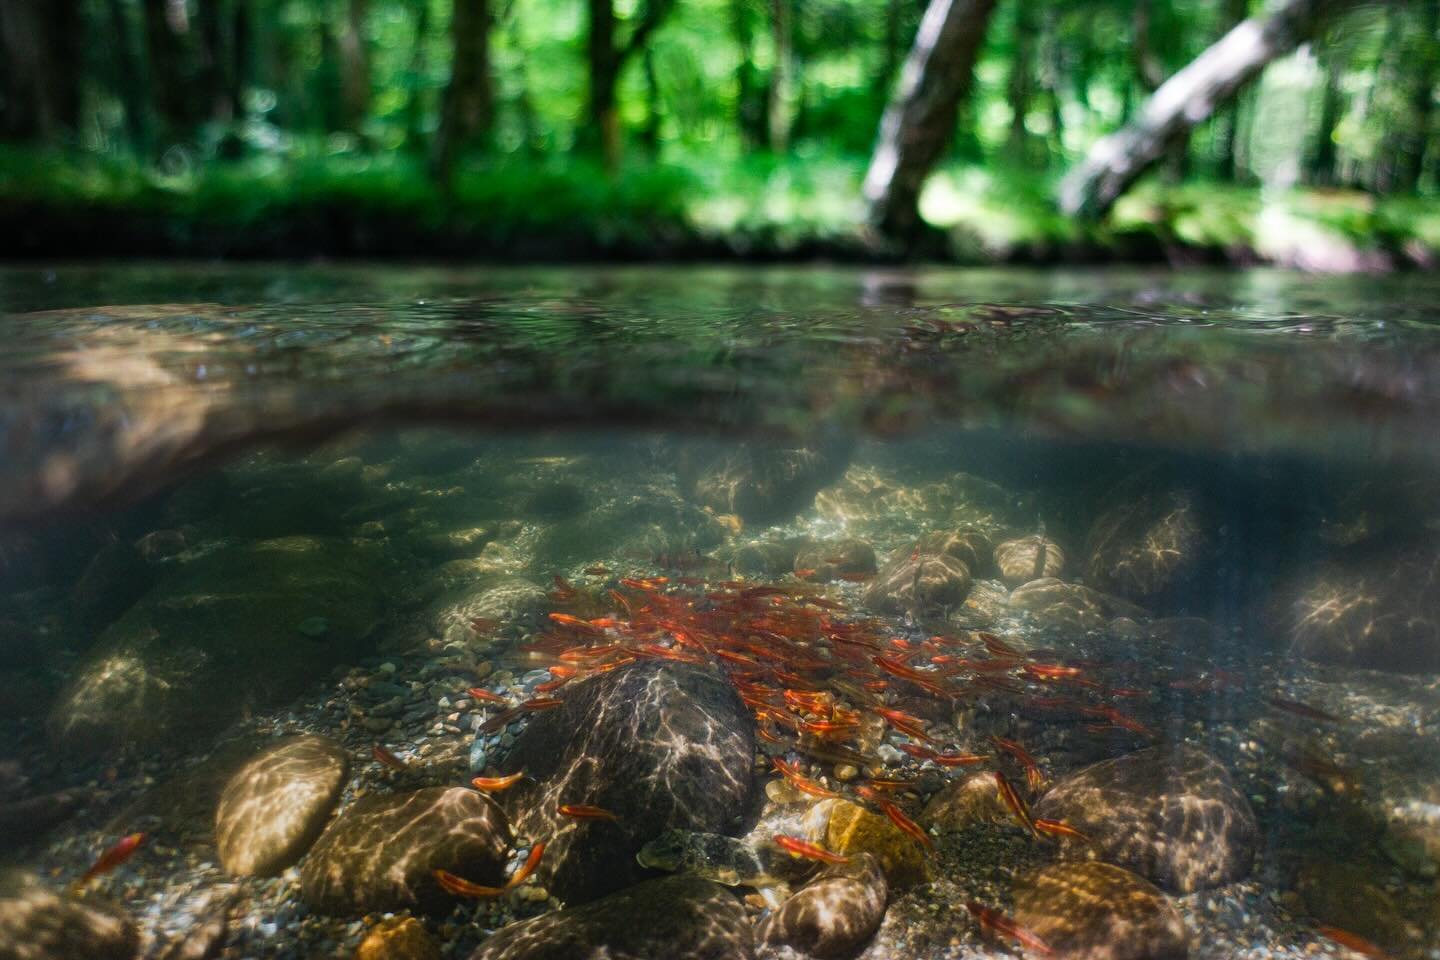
(760, 483)
(852, 829)
(834, 914)
(1346, 895)
(673, 918)
(835, 559)
(36, 923)
(1363, 616)
(1029, 558)
(1097, 911)
(1150, 542)
(216, 635)
(963, 803)
(379, 853)
(275, 806)
(398, 938)
(966, 544)
(1172, 814)
(919, 583)
(1058, 605)
(768, 558)
(661, 746)
(467, 615)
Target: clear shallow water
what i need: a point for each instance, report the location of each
(1193, 513)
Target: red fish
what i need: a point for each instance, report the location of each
(906, 825)
(542, 703)
(576, 624)
(485, 696)
(959, 759)
(1059, 829)
(1018, 807)
(461, 887)
(992, 921)
(1352, 941)
(495, 784)
(1034, 779)
(799, 848)
(528, 867)
(800, 782)
(585, 811)
(384, 756)
(123, 850)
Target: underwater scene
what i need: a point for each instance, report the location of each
(418, 612)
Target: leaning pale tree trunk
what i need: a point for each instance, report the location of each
(1186, 100)
(920, 119)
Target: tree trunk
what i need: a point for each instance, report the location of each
(1184, 101)
(1229, 117)
(1021, 83)
(415, 73)
(172, 86)
(1414, 135)
(130, 82)
(467, 113)
(1321, 166)
(1148, 69)
(920, 119)
(354, 67)
(780, 111)
(607, 57)
(40, 42)
(749, 92)
(650, 134)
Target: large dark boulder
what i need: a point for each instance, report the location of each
(216, 636)
(1150, 543)
(674, 918)
(1170, 813)
(759, 482)
(379, 854)
(37, 923)
(1376, 615)
(660, 746)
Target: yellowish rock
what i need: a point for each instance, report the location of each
(853, 829)
(399, 938)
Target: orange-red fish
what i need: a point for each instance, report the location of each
(563, 589)
(1351, 941)
(116, 855)
(496, 784)
(585, 811)
(550, 686)
(999, 648)
(485, 696)
(799, 848)
(959, 759)
(1059, 829)
(461, 887)
(384, 756)
(542, 703)
(800, 782)
(528, 867)
(1034, 779)
(1018, 807)
(992, 921)
(1049, 671)
(908, 826)
(576, 624)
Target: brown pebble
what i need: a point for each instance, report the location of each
(399, 938)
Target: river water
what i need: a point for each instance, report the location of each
(779, 612)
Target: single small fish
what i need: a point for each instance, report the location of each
(1351, 941)
(992, 921)
(550, 686)
(805, 573)
(123, 850)
(585, 811)
(461, 887)
(959, 759)
(528, 867)
(799, 848)
(576, 624)
(1059, 829)
(496, 784)
(906, 825)
(597, 571)
(800, 782)
(1299, 709)
(1018, 807)
(383, 756)
(542, 703)
(485, 696)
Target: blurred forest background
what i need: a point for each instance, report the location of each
(699, 128)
